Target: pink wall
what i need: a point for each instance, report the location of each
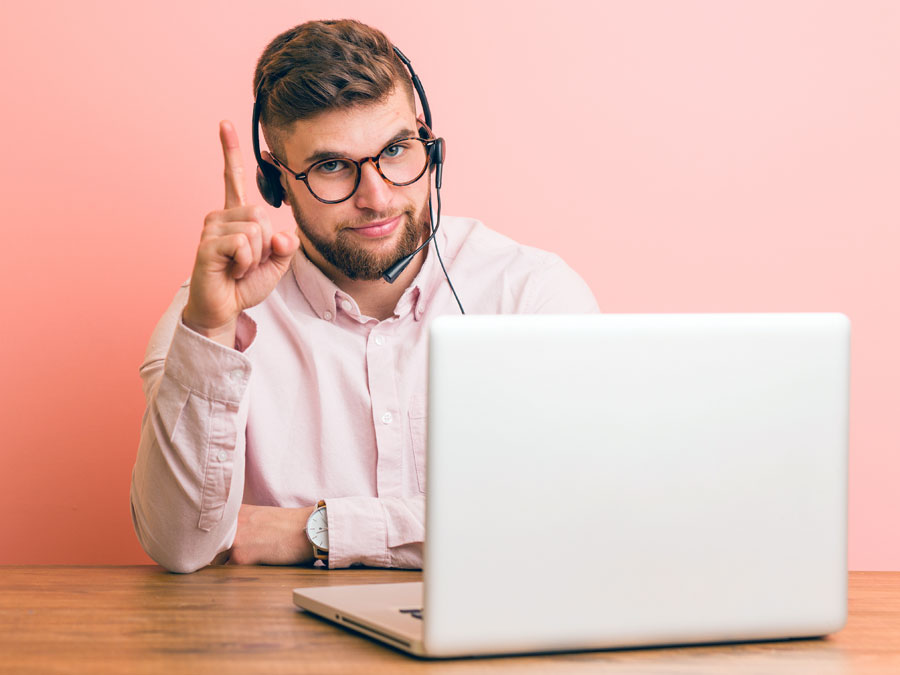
(682, 156)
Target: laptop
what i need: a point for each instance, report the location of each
(611, 481)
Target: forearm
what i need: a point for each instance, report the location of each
(361, 530)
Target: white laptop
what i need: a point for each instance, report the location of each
(611, 481)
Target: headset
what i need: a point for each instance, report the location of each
(268, 176)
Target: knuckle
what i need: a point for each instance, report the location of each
(210, 219)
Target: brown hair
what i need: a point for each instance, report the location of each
(324, 65)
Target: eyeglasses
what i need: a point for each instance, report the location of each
(401, 162)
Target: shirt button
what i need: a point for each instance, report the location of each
(222, 455)
(327, 315)
(346, 306)
(379, 340)
(387, 418)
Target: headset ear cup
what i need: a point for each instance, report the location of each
(268, 180)
(436, 153)
(437, 161)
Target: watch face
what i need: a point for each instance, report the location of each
(317, 529)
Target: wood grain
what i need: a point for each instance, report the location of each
(233, 619)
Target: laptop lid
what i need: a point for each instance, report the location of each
(621, 480)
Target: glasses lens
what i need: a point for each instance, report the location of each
(404, 161)
(332, 179)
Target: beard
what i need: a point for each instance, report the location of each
(356, 261)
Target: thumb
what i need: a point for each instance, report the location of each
(284, 246)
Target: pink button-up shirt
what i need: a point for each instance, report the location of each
(317, 401)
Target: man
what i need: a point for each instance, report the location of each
(287, 373)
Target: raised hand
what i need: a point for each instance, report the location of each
(239, 260)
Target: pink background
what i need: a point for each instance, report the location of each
(682, 156)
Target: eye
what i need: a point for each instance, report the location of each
(332, 166)
(394, 151)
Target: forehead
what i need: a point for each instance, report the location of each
(357, 131)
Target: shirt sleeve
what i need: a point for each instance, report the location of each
(187, 482)
(376, 531)
(557, 289)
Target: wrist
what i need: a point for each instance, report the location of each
(224, 334)
(307, 555)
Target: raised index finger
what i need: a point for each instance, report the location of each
(234, 166)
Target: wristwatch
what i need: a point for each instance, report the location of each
(317, 532)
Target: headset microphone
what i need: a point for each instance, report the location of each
(397, 268)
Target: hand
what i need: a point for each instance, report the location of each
(271, 535)
(239, 260)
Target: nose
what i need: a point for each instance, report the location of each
(373, 192)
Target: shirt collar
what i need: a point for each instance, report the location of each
(318, 289)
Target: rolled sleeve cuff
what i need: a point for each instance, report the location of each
(207, 367)
(357, 532)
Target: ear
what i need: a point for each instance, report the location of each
(424, 131)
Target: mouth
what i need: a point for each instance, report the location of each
(379, 229)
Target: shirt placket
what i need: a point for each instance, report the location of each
(382, 371)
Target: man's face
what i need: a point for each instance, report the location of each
(343, 238)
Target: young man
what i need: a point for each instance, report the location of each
(287, 377)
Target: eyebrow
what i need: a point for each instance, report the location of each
(319, 155)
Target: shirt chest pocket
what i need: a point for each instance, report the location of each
(417, 436)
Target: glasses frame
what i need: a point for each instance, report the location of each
(428, 143)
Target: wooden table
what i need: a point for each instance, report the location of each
(233, 619)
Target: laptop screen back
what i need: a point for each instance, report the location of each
(635, 479)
